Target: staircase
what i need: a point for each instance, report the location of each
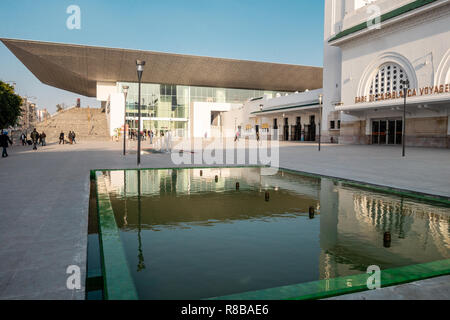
(87, 123)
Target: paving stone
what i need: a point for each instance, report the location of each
(48, 201)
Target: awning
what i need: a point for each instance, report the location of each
(78, 68)
(307, 106)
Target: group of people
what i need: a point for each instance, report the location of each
(71, 137)
(36, 138)
(133, 134)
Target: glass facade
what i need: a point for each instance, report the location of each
(167, 107)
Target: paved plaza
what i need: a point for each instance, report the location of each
(45, 194)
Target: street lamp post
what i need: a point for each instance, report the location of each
(125, 93)
(405, 84)
(320, 120)
(140, 69)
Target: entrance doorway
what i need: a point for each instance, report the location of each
(387, 131)
(286, 129)
(298, 129)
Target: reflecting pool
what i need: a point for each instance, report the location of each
(193, 234)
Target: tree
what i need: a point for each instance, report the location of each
(10, 106)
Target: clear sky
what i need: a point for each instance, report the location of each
(285, 31)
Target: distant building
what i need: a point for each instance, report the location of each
(187, 95)
(29, 114)
(42, 115)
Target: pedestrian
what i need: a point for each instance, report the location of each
(73, 137)
(61, 137)
(23, 138)
(151, 136)
(70, 137)
(35, 138)
(4, 141)
(43, 136)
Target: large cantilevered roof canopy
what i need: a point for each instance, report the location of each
(78, 68)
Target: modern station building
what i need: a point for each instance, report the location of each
(370, 47)
(365, 62)
(190, 96)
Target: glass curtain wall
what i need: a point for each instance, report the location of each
(167, 107)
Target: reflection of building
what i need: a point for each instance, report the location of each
(185, 94)
(364, 67)
(352, 224)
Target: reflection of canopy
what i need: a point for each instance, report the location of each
(78, 68)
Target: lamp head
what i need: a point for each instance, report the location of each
(140, 68)
(405, 84)
(140, 65)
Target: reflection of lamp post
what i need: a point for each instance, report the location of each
(140, 69)
(125, 92)
(125, 216)
(320, 119)
(405, 84)
(141, 264)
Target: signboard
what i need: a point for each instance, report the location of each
(426, 91)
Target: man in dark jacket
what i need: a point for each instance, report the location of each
(35, 138)
(4, 141)
(61, 137)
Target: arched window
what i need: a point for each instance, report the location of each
(387, 79)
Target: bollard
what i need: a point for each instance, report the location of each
(237, 185)
(267, 196)
(387, 239)
(311, 212)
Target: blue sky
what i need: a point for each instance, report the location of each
(284, 31)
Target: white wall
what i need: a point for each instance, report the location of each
(332, 63)
(105, 89)
(117, 110)
(202, 116)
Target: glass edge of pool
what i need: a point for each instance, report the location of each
(119, 285)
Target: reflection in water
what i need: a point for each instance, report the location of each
(207, 238)
(141, 264)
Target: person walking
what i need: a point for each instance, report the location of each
(151, 136)
(43, 136)
(73, 137)
(35, 138)
(4, 141)
(23, 138)
(61, 137)
(70, 137)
